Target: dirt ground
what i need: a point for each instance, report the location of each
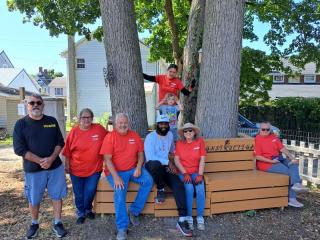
(268, 224)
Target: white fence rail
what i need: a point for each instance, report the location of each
(309, 164)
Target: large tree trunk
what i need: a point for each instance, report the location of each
(218, 98)
(177, 51)
(191, 65)
(72, 84)
(124, 62)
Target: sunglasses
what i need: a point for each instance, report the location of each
(32, 103)
(188, 130)
(265, 129)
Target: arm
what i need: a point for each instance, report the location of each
(264, 159)
(67, 165)
(160, 103)
(179, 165)
(185, 91)
(180, 108)
(201, 165)
(149, 78)
(118, 183)
(137, 171)
(289, 155)
(45, 163)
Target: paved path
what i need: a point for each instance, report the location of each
(7, 154)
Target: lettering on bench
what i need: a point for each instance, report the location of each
(229, 147)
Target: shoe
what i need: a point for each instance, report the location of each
(80, 220)
(200, 223)
(190, 222)
(90, 215)
(294, 203)
(122, 235)
(59, 230)
(183, 227)
(161, 196)
(32, 231)
(298, 187)
(133, 219)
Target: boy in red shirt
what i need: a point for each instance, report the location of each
(124, 157)
(268, 150)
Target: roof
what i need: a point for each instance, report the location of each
(58, 82)
(309, 68)
(7, 91)
(7, 75)
(292, 90)
(5, 56)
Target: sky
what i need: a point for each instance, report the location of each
(30, 47)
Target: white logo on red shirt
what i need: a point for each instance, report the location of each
(131, 141)
(95, 137)
(196, 148)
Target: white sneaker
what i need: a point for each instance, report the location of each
(298, 187)
(190, 222)
(200, 222)
(294, 203)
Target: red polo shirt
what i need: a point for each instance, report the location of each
(167, 85)
(268, 147)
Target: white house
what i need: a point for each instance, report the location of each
(304, 83)
(5, 61)
(91, 89)
(16, 78)
(58, 87)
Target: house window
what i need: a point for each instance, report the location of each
(58, 91)
(294, 79)
(80, 63)
(278, 78)
(309, 78)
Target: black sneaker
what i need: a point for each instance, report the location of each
(32, 231)
(80, 220)
(183, 227)
(59, 230)
(133, 219)
(161, 196)
(90, 215)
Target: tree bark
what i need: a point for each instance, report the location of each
(124, 62)
(72, 84)
(218, 98)
(177, 55)
(191, 65)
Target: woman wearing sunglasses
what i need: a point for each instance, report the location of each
(268, 150)
(190, 160)
(83, 162)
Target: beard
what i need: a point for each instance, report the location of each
(163, 130)
(36, 112)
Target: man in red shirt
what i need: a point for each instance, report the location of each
(124, 157)
(169, 83)
(268, 150)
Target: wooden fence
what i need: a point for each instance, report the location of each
(309, 157)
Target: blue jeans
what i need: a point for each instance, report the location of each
(146, 184)
(200, 195)
(84, 189)
(291, 170)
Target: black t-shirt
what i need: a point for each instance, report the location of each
(39, 137)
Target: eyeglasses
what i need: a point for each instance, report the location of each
(265, 129)
(32, 103)
(85, 117)
(188, 130)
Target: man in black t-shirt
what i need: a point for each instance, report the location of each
(38, 140)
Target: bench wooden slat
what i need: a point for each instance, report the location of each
(229, 145)
(229, 156)
(109, 208)
(249, 205)
(108, 197)
(174, 213)
(171, 204)
(244, 180)
(227, 196)
(228, 166)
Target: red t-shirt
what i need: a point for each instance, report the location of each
(123, 148)
(82, 148)
(268, 147)
(190, 154)
(167, 85)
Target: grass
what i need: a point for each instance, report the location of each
(7, 142)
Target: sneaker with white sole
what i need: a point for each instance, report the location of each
(200, 223)
(294, 203)
(298, 187)
(59, 230)
(122, 235)
(32, 231)
(190, 222)
(183, 227)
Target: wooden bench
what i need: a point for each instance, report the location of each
(232, 184)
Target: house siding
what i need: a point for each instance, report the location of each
(23, 80)
(12, 114)
(3, 112)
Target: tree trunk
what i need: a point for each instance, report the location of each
(218, 98)
(124, 62)
(191, 65)
(72, 84)
(177, 55)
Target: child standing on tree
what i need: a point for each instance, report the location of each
(171, 107)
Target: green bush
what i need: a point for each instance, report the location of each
(103, 119)
(295, 113)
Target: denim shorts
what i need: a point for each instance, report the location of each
(37, 182)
